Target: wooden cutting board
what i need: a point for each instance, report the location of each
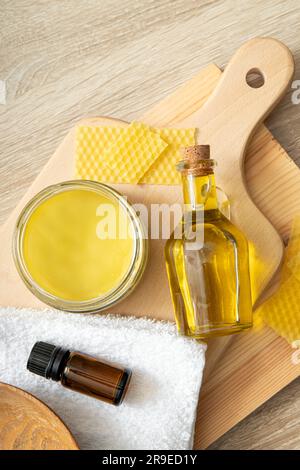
(28, 424)
(237, 384)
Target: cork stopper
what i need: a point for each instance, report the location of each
(196, 161)
(196, 152)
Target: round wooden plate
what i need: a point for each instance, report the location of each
(28, 424)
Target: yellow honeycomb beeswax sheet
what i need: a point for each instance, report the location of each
(91, 143)
(282, 310)
(93, 146)
(132, 154)
(163, 170)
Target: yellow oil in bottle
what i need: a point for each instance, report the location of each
(207, 258)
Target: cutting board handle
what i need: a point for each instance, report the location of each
(235, 108)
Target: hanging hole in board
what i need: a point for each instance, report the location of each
(255, 78)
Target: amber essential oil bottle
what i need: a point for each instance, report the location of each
(79, 372)
(207, 258)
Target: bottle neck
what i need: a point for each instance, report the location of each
(58, 363)
(199, 192)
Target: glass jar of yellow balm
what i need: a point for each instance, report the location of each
(79, 246)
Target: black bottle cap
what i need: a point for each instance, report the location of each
(47, 360)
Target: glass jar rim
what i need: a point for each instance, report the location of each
(126, 285)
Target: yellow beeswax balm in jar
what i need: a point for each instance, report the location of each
(80, 246)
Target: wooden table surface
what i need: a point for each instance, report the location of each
(64, 59)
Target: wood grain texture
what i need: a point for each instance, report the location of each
(28, 424)
(275, 425)
(62, 60)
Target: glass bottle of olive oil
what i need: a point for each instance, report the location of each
(207, 258)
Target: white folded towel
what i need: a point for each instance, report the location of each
(160, 407)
